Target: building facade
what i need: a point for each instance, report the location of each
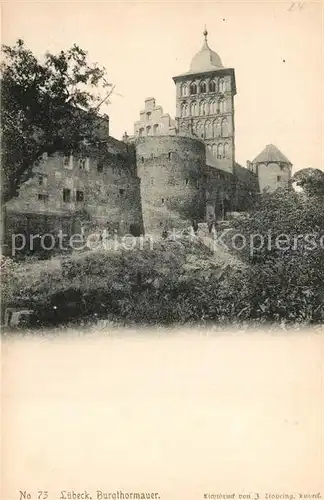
(205, 105)
(153, 121)
(168, 173)
(272, 169)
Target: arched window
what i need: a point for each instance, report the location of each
(220, 151)
(224, 128)
(214, 149)
(222, 105)
(140, 132)
(222, 85)
(209, 147)
(194, 109)
(200, 129)
(208, 130)
(226, 150)
(212, 86)
(183, 89)
(155, 129)
(203, 108)
(213, 107)
(148, 130)
(202, 88)
(216, 128)
(193, 88)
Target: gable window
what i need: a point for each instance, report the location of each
(42, 197)
(79, 196)
(66, 195)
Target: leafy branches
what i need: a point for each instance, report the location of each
(47, 106)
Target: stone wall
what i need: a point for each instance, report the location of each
(272, 175)
(172, 184)
(246, 188)
(100, 189)
(220, 190)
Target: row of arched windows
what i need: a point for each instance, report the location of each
(220, 151)
(202, 87)
(202, 108)
(210, 129)
(149, 130)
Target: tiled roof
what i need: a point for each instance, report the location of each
(270, 154)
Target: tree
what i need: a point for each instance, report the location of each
(311, 180)
(46, 107)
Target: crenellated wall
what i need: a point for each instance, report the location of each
(172, 184)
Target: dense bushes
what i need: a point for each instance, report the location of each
(159, 284)
(286, 272)
(183, 281)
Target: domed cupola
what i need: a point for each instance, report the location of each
(206, 59)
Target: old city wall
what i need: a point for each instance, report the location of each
(172, 184)
(220, 189)
(99, 189)
(246, 188)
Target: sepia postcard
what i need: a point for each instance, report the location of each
(162, 250)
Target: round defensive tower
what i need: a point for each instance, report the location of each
(172, 180)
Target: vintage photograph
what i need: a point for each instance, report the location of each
(162, 250)
(162, 164)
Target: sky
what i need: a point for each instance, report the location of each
(276, 49)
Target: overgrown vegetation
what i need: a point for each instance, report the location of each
(46, 106)
(182, 281)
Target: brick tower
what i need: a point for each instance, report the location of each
(205, 105)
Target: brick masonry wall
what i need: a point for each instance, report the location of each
(220, 191)
(246, 188)
(272, 175)
(103, 190)
(172, 183)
